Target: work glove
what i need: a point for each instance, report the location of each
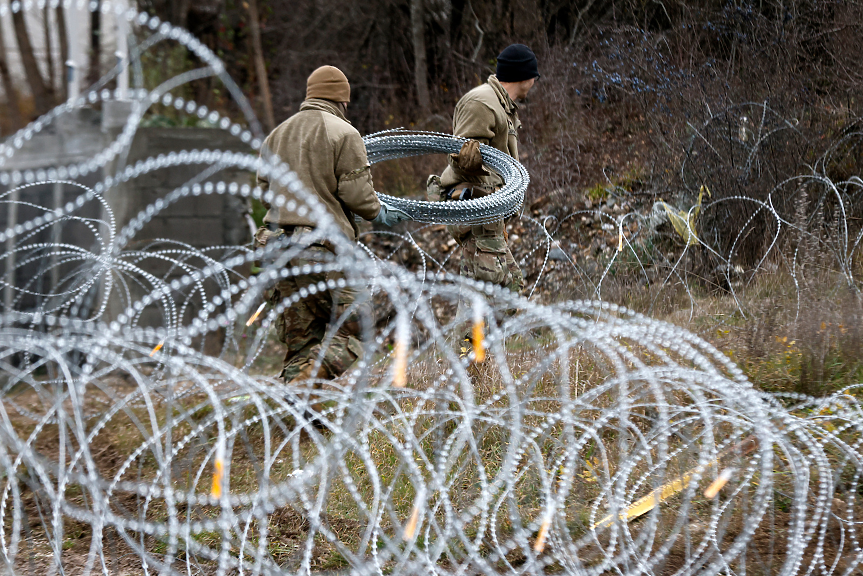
(390, 216)
(469, 160)
(433, 188)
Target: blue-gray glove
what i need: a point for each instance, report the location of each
(389, 216)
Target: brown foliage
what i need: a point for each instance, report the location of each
(737, 96)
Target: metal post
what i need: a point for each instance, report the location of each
(122, 52)
(122, 76)
(56, 233)
(72, 81)
(77, 27)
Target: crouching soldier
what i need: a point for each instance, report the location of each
(329, 157)
(487, 114)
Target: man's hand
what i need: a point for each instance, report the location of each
(389, 216)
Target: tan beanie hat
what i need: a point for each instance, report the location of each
(329, 83)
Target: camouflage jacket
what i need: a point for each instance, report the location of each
(329, 157)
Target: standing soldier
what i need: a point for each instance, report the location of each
(329, 157)
(487, 114)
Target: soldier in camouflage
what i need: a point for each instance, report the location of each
(487, 114)
(329, 157)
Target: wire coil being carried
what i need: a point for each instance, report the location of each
(505, 202)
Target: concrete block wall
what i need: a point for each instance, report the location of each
(203, 222)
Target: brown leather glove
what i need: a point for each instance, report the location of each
(469, 160)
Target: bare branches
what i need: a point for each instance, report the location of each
(42, 94)
(260, 65)
(479, 30)
(12, 104)
(420, 64)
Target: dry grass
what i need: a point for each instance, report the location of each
(754, 339)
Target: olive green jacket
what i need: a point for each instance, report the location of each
(489, 115)
(329, 157)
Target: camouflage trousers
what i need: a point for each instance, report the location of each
(489, 259)
(321, 331)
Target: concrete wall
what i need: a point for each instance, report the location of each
(204, 221)
(72, 138)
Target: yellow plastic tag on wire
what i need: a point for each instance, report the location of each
(683, 221)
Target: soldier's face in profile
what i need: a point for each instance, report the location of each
(524, 87)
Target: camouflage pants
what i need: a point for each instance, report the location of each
(321, 330)
(489, 259)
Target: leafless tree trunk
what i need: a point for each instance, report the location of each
(64, 49)
(49, 46)
(420, 64)
(9, 87)
(94, 72)
(260, 66)
(42, 96)
(578, 21)
(441, 12)
(479, 30)
(181, 13)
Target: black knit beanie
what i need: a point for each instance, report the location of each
(517, 62)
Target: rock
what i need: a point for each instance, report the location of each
(557, 253)
(838, 507)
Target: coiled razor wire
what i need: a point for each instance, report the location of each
(503, 203)
(577, 437)
(587, 455)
